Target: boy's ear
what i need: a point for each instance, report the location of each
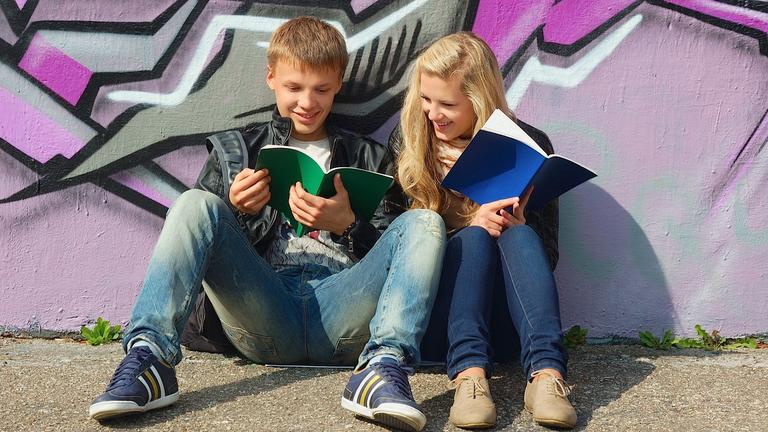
(270, 78)
(339, 85)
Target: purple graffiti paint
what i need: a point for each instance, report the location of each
(506, 26)
(33, 133)
(734, 14)
(361, 5)
(741, 163)
(21, 3)
(135, 183)
(100, 10)
(572, 20)
(55, 70)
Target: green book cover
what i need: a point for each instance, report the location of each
(288, 165)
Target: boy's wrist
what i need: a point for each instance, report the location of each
(346, 236)
(348, 230)
(346, 225)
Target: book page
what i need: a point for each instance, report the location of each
(302, 151)
(500, 124)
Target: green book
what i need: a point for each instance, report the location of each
(288, 165)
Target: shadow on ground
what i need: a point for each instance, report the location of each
(210, 397)
(597, 380)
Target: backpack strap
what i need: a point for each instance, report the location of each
(233, 154)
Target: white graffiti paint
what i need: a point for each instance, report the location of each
(534, 71)
(257, 24)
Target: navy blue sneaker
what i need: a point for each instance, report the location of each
(142, 382)
(381, 392)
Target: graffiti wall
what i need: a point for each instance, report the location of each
(104, 105)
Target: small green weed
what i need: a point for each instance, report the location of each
(575, 336)
(711, 341)
(648, 339)
(687, 343)
(745, 342)
(101, 333)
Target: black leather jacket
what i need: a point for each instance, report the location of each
(347, 149)
(544, 221)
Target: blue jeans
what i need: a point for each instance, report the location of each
(303, 314)
(496, 298)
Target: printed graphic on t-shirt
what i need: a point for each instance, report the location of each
(315, 247)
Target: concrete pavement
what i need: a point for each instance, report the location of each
(48, 385)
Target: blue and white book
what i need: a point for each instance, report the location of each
(502, 161)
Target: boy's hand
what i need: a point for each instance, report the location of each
(249, 192)
(495, 218)
(330, 214)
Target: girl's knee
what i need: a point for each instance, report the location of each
(519, 233)
(474, 237)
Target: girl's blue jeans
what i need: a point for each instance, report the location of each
(497, 297)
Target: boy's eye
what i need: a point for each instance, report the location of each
(293, 88)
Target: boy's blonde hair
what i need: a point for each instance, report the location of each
(307, 42)
(465, 57)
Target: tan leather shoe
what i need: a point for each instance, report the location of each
(547, 399)
(472, 407)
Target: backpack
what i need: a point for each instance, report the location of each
(203, 331)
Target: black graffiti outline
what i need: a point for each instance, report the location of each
(56, 168)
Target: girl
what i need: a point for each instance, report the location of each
(497, 292)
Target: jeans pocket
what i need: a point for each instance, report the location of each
(348, 349)
(258, 348)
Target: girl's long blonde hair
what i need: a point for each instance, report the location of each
(469, 59)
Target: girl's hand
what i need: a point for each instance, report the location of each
(495, 219)
(517, 217)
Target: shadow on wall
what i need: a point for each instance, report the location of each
(609, 276)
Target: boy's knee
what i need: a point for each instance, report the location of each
(424, 221)
(196, 198)
(196, 202)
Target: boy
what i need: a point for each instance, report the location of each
(314, 299)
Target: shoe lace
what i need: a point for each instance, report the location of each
(397, 375)
(473, 389)
(556, 385)
(130, 367)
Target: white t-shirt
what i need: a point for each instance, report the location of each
(320, 150)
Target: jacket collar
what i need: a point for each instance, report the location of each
(283, 126)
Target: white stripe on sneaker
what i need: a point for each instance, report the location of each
(146, 386)
(361, 386)
(159, 380)
(373, 390)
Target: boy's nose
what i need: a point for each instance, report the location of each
(306, 100)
